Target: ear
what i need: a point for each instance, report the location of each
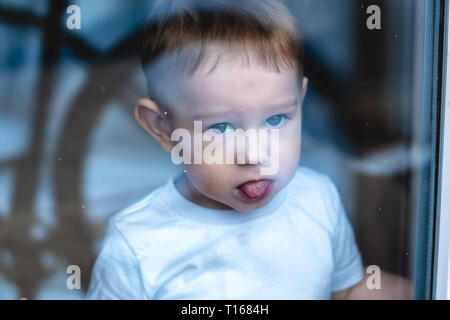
(304, 87)
(150, 117)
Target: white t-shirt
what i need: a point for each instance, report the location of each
(299, 246)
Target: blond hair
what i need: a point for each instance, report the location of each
(183, 30)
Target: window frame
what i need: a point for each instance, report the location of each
(434, 44)
(441, 287)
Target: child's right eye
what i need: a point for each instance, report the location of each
(221, 127)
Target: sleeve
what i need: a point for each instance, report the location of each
(116, 274)
(348, 269)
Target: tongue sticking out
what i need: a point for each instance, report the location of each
(255, 189)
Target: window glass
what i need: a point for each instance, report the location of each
(72, 153)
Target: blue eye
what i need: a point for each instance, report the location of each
(275, 121)
(221, 127)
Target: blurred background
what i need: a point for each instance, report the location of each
(72, 155)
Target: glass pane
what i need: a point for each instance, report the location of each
(73, 154)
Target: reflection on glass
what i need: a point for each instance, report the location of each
(72, 153)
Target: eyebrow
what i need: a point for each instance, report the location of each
(279, 107)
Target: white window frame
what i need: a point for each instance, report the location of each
(442, 248)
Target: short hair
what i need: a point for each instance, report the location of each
(184, 29)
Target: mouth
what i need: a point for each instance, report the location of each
(254, 190)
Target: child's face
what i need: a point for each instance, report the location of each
(234, 96)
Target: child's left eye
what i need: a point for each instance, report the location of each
(275, 121)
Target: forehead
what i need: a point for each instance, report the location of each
(231, 84)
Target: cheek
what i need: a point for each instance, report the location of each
(289, 154)
(290, 138)
(209, 179)
(290, 147)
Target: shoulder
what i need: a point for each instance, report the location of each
(305, 176)
(310, 181)
(316, 195)
(134, 222)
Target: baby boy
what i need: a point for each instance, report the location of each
(221, 229)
